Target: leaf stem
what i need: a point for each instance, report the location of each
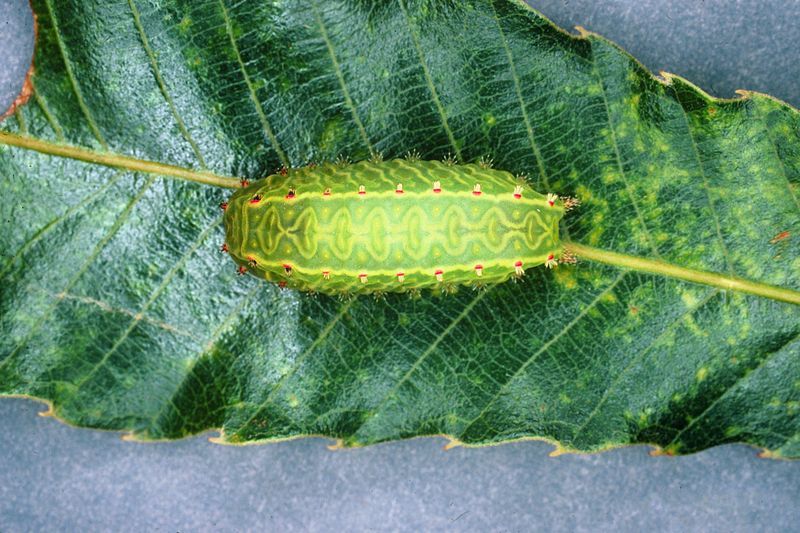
(662, 268)
(118, 161)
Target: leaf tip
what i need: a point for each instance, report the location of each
(338, 444)
(658, 451)
(667, 76)
(583, 31)
(452, 443)
(558, 450)
(769, 454)
(48, 412)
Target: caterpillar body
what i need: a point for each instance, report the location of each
(391, 226)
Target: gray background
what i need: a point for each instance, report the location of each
(55, 477)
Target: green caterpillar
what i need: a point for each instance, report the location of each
(391, 226)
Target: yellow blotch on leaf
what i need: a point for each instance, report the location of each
(565, 277)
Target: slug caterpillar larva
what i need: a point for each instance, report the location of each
(391, 226)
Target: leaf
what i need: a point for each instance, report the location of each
(118, 309)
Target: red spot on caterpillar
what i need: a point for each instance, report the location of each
(399, 188)
(551, 199)
(291, 194)
(437, 186)
(362, 278)
(282, 284)
(518, 192)
(255, 199)
(362, 190)
(551, 261)
(287, 269)
(518, 270)
(251, 261)
(779, 237)
(326, 192)
(326, 274)
(439, 275)
(224, 247)
(476, 190)
(241, 270)
(401, 277)
(223, 206)
(479, 270)
(244, 183)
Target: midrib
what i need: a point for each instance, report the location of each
(642, 264)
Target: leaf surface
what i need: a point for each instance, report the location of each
(118, 309)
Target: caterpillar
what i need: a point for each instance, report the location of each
(391, 226)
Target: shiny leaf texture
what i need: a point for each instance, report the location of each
(117, 307)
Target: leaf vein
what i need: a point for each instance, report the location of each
(108, 308)
(703, 174)
(39, 234)
(256, 103)
(617, 154)
(429, 82)
(430, 349)
(543, 348)
(774, 145)
(111, 159)
(73, 81)
(176, 267)
(51, 119)
(298, 363)
(95, 253)
(208, 347)
(732, 386)
(338, 70)
(23, 127)
(162, 86)
(639, 357)
(518, 89)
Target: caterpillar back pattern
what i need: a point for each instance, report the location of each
(391, 226)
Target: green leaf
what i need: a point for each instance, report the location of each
(118, 309)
